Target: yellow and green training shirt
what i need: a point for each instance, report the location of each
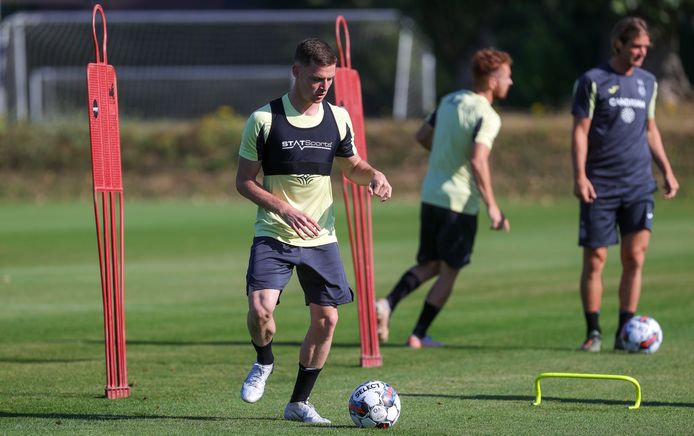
(297, 153)
(461, 120)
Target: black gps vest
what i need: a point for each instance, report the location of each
(295, 150)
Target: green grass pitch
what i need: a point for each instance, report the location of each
(515, 313)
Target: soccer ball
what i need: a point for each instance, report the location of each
(374, 404)
(641, 334)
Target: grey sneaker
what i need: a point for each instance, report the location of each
(593, 342)
(254, 386)
(425, 342)
(303, 411)
(383, 318)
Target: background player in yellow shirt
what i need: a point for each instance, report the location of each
(294, 140)
(460, 134)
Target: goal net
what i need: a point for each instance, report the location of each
(183, 64)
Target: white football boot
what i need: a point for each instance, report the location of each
(303, 411)
(254, 386)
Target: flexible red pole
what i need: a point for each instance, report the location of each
(359, 265)
(370, 271)
(108, 206)
(100, 10)
(346, 189)
(108, 296)
(372, 349)
(123, 375)
(357, 202)
(104, 286)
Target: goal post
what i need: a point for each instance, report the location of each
(208, 59)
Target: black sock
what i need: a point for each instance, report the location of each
(624, 317)
(427, 316)
(264, 354)
(408, 283)
(592, 321)
(304, 383)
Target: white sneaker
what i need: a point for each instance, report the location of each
(254, 386)
(383, 318)
(303, 411)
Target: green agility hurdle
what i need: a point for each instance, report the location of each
(538, 392)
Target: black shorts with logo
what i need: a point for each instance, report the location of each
(629, 210)
(445, 235)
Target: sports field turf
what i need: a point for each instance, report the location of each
(515, 313)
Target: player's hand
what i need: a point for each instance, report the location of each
(499, 221)
(584, 190)
(304, 226)
(380, 187)
(671, 186)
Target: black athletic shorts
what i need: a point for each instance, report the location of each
(319, 269)
(599, 221)
(445, 235)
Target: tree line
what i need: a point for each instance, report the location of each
(551, 41)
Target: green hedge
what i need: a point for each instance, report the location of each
(198, 157)
(207, 144)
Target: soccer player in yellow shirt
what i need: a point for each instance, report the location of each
(460, 134)
(294, 140)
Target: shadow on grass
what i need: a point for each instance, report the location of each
(39, 361)
(174, 343)
(531, 399)
(159, 342)
(489, 347)
(104, 417)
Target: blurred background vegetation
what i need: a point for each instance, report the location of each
(197, 158)
(551, 41)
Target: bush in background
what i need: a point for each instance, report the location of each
(197, 158)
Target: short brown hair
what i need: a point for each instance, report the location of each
(316, 50)
(487, 61)
(626, 29)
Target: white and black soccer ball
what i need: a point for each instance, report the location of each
(374, 404)
(641, 334)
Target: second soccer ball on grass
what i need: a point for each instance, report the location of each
(641, 334)
(374, 404)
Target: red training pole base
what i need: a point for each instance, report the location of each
(371, 361)
(120, 392)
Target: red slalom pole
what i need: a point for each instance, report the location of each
(347, 87)
(107, 177)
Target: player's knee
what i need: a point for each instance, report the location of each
(259, 315)
(426, 270)
(331, 320)
(594, 261)
(328, 321)
(633, 259)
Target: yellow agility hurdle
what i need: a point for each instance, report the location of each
(632, 380)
